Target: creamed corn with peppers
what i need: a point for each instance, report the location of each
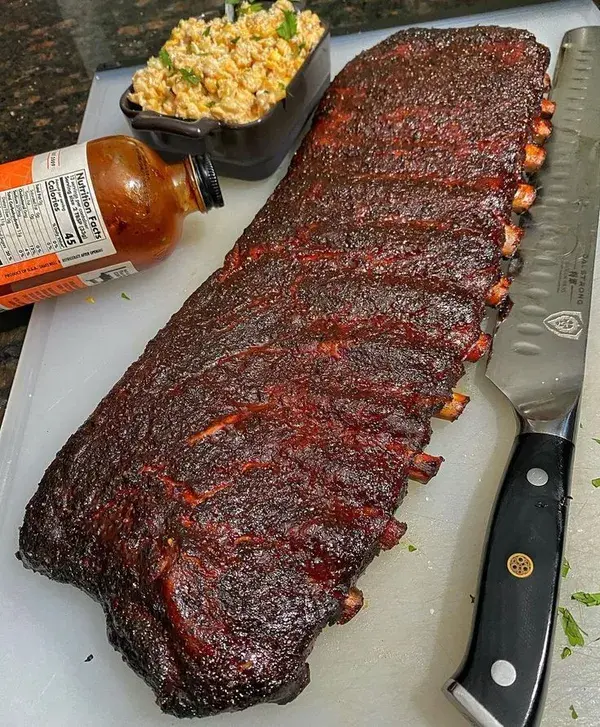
(231, 71)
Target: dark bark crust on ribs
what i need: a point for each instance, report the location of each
(225, 496)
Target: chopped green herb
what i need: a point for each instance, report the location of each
(235, 41)
(252, 8)
(596, 440)
(288, 29)
(596, 482)
(571, 628)
(285, 89)
(165, 58)
(566, 567)
(232, 2)
(189, 76)
(565, 652)
(125, 296)
(255, 37)
(574, 714)
(588, 599)
(411, 548)
(206, 32)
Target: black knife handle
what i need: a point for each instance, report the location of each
(514, 617)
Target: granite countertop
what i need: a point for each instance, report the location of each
(52, 48)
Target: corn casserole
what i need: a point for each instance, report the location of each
(231, 71)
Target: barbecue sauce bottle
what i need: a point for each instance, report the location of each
(79, 216)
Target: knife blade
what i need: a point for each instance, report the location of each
(537, 362)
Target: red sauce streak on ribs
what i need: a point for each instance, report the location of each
(223, 499)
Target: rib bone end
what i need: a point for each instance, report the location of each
(534, 158)
(391, 535)
(524, 198)
(512, 238)
(548, 108)
(498, 292)
(454, 408)
(351, 605)
(479, 348)
(542, 128)
(423, 467)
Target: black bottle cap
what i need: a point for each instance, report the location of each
(208, 182)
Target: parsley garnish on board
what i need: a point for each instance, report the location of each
(571, 628)
(189, 76)
(574, 714)
(288, 29)
(588, 599)
(566, 567)
(596, 482)
(411, 548)
(165, 58)
(565, 652)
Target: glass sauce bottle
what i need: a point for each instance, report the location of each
(78, 216)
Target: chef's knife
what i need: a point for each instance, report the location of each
(537, 361)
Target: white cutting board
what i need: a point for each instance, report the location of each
(386, 666)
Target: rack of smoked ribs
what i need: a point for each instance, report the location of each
(225, 496)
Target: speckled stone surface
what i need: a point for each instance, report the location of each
(51, 49)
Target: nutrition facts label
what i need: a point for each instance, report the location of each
(53, 220)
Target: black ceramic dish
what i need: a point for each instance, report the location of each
(243, 151)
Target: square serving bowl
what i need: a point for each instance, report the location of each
(243, 151)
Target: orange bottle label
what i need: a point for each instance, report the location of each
(49, 215)
(66, 285)
(15, 174)
(29, 268)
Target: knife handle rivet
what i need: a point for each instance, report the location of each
(537, 476)
(520, 565)
(503, 673)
